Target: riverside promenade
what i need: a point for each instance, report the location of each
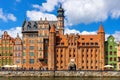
(61, 73)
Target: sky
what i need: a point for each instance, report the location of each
(81, 16)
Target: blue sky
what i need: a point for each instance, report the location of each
(81, 16)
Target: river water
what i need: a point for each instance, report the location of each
(57, 78)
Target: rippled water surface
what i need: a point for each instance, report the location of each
(38, 78)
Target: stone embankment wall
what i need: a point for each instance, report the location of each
(61, 73)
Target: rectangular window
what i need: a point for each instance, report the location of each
(110, 47)
(31, 35)
(87, 44)
(91, 43)
(96, 43)
(31, 54)
(46, 47)
(24, 48)
(18, 61)
(115, 53)
(11, 61)
(111, 59)
(119, 66)
(31, 47)
(46, 54)
(24, 54)
(24, 60)
(62, 43)
(31, 61)
(83, 44)
(46, 41)
(91, 38)
(114, 59)
(10, 48)
(82, 38)
(46, 61)
(118, 59)
(110, 52)
(31, 41)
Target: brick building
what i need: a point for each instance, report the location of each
(46, 46)
(84, 52)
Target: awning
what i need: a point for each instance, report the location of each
(108, 66)
(10, 66)
(6, 66)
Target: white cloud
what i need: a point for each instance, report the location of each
(70, 31)
(115, 35)
(49, 5)
(13, 32)
(6, 17)
(106, 36)
(115, 14)
(11, 17)
(36, 15)
(88, 11)
(2, 15)
(84, 11)
(36, 6)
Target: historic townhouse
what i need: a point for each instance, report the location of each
(18, 52)
(118, 54)
(111, 52)
(10, 50)
(6, 49)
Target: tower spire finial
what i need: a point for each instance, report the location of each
(101, 28)
(60, 5)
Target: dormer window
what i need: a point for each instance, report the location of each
(28, 27)
(35, 27)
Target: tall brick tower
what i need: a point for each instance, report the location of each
(51, 52)
(101, 35)
(60, 19)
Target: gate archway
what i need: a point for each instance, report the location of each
(72, 66)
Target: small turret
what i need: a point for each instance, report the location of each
(101, 30)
